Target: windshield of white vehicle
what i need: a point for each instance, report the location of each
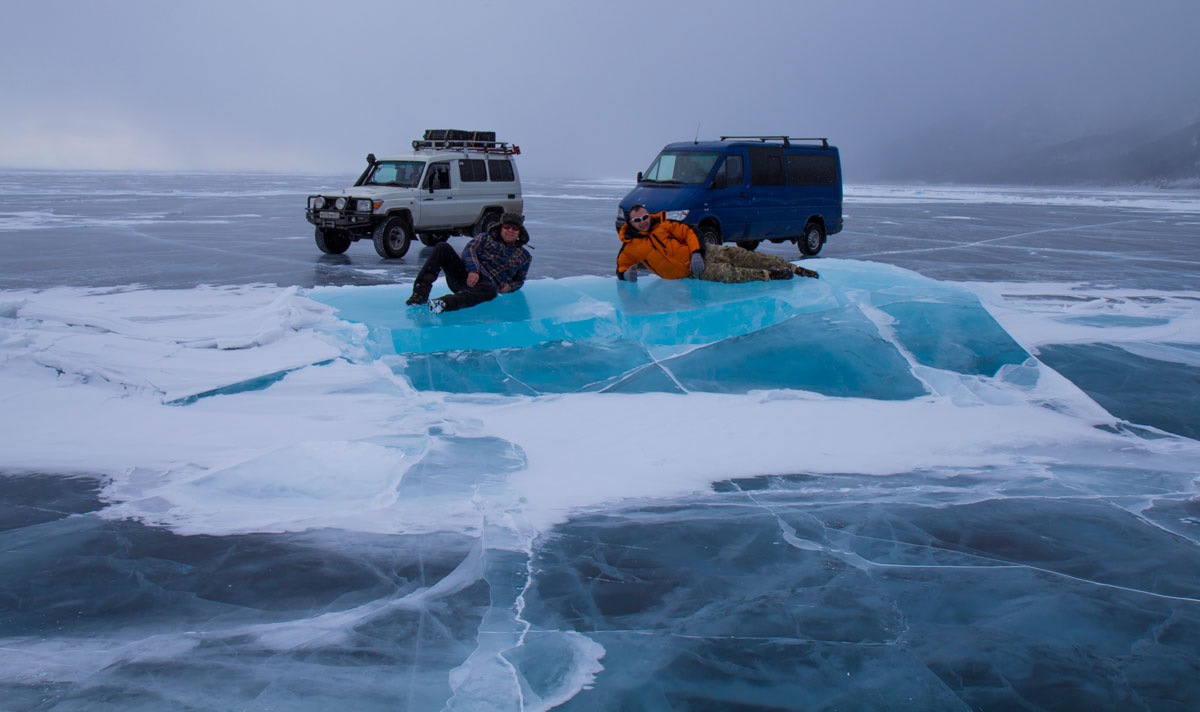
(404, 174)
(680, 167)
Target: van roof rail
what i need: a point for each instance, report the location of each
(785, 139)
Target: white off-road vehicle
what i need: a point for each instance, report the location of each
(452, 183)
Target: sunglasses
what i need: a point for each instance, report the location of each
(643, 218)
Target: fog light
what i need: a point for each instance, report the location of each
(340, 203)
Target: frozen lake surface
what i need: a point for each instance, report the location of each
(959, 471)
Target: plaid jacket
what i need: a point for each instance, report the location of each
(503, 265)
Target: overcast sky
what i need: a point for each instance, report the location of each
(588, 89)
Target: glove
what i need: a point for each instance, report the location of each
(697, 264)
(631, 274)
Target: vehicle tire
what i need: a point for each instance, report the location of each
(429, 239)
(487, 222)
(392, 237)
(811, 241)
(331, 242)
(709, 235)
(751, 245)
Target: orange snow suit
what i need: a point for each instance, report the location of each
(665, 248)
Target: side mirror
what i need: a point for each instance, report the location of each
(639, 177)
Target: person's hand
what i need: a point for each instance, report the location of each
(472, 279)
(631, 274)
(503, 289)
(697, 264)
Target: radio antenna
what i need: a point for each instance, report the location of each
(697, 139)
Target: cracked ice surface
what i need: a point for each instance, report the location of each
(858, 491)
(856, 332)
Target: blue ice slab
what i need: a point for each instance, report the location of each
(554, 367)
(940, 324)
(856, 332)
(837, 354)
(1137, 388)
(652, 311)
(954, 337)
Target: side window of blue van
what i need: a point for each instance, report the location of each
(808, 169)
(734, 172)
(730, 174)
(766, 165)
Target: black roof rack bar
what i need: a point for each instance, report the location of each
(786, 139)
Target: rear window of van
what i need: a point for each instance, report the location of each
(810, 169)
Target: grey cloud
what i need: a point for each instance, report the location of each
(585, 89)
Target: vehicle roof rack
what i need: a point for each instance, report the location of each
(478, 146)
(482, 141)
(785, 139)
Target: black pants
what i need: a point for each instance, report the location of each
(445, 260)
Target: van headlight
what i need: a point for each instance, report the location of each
(677, 215)
(620, 214)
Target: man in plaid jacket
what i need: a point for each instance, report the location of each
(495, 262)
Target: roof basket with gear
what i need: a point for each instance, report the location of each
(483, 141)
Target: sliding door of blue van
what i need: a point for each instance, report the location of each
(771, 206)
(727, 197)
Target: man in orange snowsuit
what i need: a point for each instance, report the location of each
(671, 250)
(667, 248)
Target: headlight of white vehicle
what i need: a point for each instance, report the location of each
(316, 202)
(362, 206)
(340, 203)
(677, 215)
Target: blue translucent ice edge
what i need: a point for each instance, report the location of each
(857, 331)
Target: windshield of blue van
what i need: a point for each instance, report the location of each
(404, 174)
(682, 167)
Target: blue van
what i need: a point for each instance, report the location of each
(746, 189)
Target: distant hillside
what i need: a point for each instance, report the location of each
(1127, 157)
(1140, 155)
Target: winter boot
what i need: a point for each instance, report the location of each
(807, 273)
(420, 293)
(780, 273)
